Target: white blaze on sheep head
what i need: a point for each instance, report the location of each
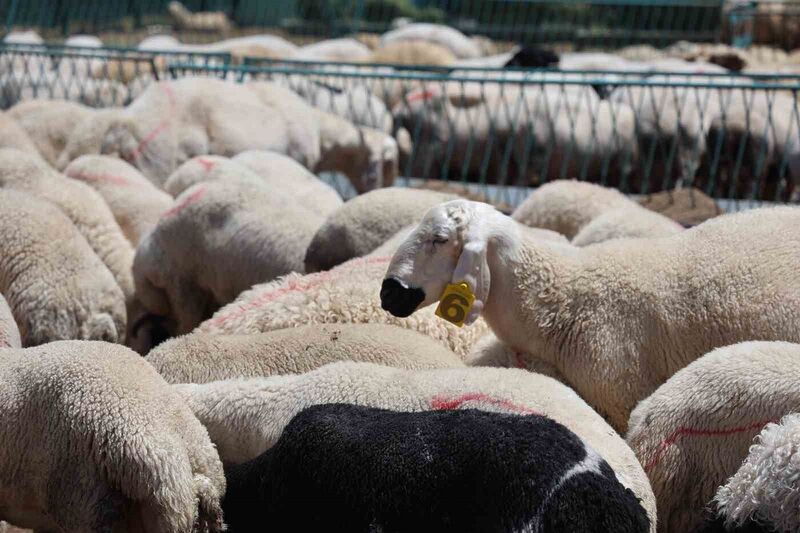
(449, 246)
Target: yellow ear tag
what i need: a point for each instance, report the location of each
(455, 303)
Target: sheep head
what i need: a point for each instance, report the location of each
(448, 246)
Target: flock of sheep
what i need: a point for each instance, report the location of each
(201, 335)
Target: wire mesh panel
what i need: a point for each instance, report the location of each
(767, 22)
(498, 131)
(95, 77)
(732, 136)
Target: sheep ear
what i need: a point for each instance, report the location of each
(473, 268)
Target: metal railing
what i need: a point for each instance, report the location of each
(503, 131)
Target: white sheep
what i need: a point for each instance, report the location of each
(345, 294)
(56, 286)
(694, 431)
(344, 49)
(202, 358)
(218, 239)
(49, 124)
(87, 135)
(12, 135)
(452, 39)
(85, 207)
(204, 21)
(413, 52)
(245, 417)
(520, 134)
(133, 200)
(9, 332)
(367, 156)
(284, 174)
(94, 439)
(586, 213)
(629, 222)
(764, 490)
(630, 311)
(357, 103)
(367, 221)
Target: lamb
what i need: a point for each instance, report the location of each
(415, 471)
(245, 417)
(413, 52)
(87, 135)
(367, 221)
(345, 294)
(281, 173)
(56, 286)
(764, 490)
(357, 104)
(691, 437)
(49, 124)
(218, 239)
(345, 49)
(367, 156)
(629, 222)
(9, 332)
(586, 213)
(94, 439)
(272, 170)
(202, 358)
(206, 21)
(133, 200)
(86, 208)
(573, 309)
(458, 43)
(12, 135)
(519, 134)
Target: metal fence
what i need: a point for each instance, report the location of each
(593, 23)
(502, 132)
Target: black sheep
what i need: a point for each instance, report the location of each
(341, 467)
(533, 57)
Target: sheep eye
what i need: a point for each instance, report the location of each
(439, 240)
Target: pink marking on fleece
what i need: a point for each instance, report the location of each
(206, 163)
(667, 443)
(425, 94)
(441, 403)
(101, 178)
(192, 198)
(307, 283)
(159, 129)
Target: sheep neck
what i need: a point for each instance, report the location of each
(528, 298)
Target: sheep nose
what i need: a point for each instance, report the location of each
(399, 300)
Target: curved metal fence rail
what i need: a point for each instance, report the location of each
(500, 132)
(595, 23)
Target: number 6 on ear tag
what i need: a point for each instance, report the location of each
(455, 303)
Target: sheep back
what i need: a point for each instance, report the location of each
(405, 471)
(94, 439)
(201, 358)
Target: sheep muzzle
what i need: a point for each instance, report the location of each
(398, 299)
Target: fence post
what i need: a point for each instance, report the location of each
(12, 15)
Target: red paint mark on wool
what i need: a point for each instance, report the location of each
(667, 443)
(306, 283)
(159, 129)
(425, 94)
(192, 198)
(101, 178)
(442, 403)
(207, 164)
